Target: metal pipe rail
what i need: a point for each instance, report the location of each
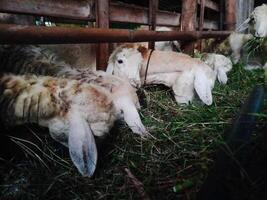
(17, 34)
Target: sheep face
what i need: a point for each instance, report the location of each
(259, 16)
(220, 65)
(127, 64)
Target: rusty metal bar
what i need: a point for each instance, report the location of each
(17, 34)
(102, 21)
(188, 22)
(230, 18)
(153, 7)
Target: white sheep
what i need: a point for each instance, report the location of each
(258, 17)
(240, 44)
(35, 60)
(167, 45)
(179, 71)
(220, 64)
(236, 42)
(74, 112)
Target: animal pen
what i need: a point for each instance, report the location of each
(189, 26)
(192, 21)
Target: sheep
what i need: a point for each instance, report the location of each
(258, 17)
(167, 45)
(73, 111)
(220, 64)
(179, 71)
(35, 60)
(236, 42)
(241, 43)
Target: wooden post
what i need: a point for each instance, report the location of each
(153, 7)
(102, 21)
(222, 10)
(201, 20)
(230, 18)
(188, 22)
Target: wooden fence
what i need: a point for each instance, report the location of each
(104, 12)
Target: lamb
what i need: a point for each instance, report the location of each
(258, 17)
(236, 42)
(220, 64)
(34, 60)
(179, 71)
(73, 111)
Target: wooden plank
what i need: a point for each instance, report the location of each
(188, 22)
(82, 10)
(60, 8)
(135, 14)
(102, 21)
(201, 21)
(221, 22)
(211, 5)
(153, 7)
(230, 18)
(210, 25)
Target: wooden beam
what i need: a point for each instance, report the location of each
(82, 10)
(60, 8)
(17, 34)
(202, 14)
(201, 21)
(211, 5)
(230, 18)
(102, 21)
(188, 22)
(121, 12)
(222, 8)
(153, 7)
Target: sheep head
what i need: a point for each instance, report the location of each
(122, 94)
(258, 17)
(220, 65)
(126, 62)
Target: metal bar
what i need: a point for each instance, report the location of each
(230, 18)
(153, 7)
(102, 21)
(188, 22)
(17, 34)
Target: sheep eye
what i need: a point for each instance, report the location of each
(252, 19)
(120, 61)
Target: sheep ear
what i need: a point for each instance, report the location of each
(82, 147)
(131, 116)
(203, 87)
(110, 68)
(222, 76)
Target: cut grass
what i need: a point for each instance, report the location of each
(187, 138)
